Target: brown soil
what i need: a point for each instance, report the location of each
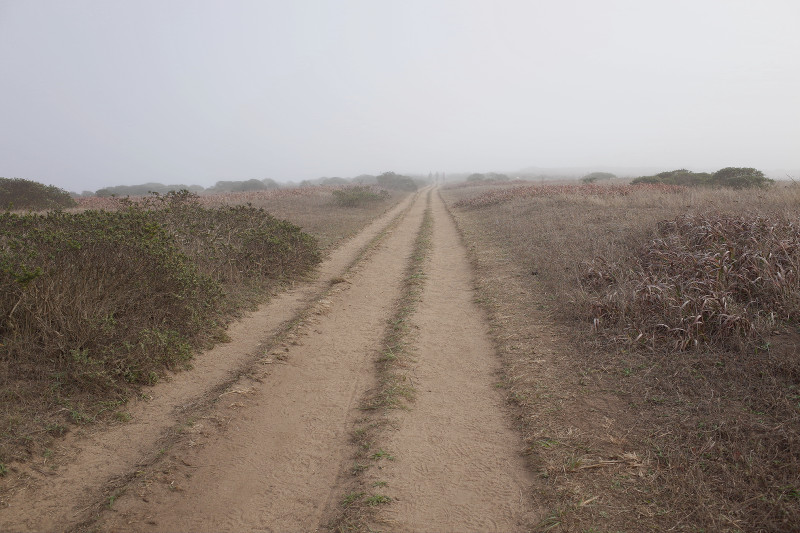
(254, 437)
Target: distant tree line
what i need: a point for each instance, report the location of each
(387, 180)
(728, 177)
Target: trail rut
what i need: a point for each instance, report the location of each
(457, 460)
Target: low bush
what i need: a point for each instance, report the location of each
(23, 194)
(597, 176)
(358, 196)
(730, 177)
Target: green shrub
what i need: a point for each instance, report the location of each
(730, 177)
(740, 178)
(682, 177)
(86, 298)
(23, 194)
(359, 196)
(390, 180)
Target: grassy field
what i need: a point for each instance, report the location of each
(649, 337)
(102, 299)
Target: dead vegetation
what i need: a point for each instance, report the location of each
(650, 342)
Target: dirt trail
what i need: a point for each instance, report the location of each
(256, 443)
(458, 465)
(267, 456)
(46, 498)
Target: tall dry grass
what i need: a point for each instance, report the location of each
(681, 306)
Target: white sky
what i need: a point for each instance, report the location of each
(98, 93)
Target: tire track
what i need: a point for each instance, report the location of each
(458, 463)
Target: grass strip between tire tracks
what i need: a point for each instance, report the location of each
(357, 507)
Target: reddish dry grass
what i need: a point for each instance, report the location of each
(645, 436)
(508, 194)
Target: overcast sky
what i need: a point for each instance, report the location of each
(97, 93)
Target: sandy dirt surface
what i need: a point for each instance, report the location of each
(457, 463)
(254, 438)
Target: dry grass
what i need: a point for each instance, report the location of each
(657, 435)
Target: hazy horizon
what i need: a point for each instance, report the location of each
(97, 94)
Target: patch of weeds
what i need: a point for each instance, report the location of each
(113, 498)
(358, 468)
(380, 484)
(3, 469)
(572, 463)
(382, 454)
(351, 498)
(377, 499)
(122, 416)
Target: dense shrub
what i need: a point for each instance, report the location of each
(730, 177)
(92, 299)
(682, 177)
(21, 194)
(358, 196)
(233, 244)
(740, 178)
(390, 180)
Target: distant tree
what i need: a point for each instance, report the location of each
(476, 177)
(270, 183)
(740, 178)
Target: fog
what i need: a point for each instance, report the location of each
(98, 93)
